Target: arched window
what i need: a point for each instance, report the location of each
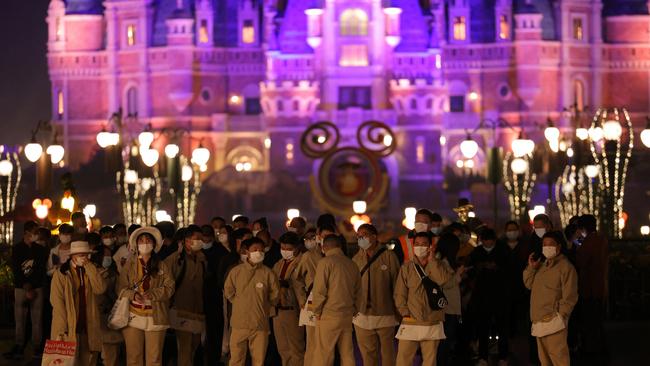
(579, 95)
(132, 101)
(354, 22)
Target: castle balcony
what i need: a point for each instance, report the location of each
(351, 118)
(289, 98)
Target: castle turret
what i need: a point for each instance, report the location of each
(84, 20)
(459, 21)
(204, 23)
(180, 27)
(248, 21)
(56, 26)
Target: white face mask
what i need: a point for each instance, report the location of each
(108, 242)
(107, 261)
(363, 243)
(223, 238)
(65, 239)
(420, 227)
(145, 248)
(421, 252)
(435, 230)
(540, 232)
(292, 229)
(549, 252)
(197, 244)
(287, 254)
(256, 257)
(488, 249)
(207, 246)
(243, 257)
(311, 244)
(512, 235)
(255, 232)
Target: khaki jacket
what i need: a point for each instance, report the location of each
(288, 298)
(337, 286)
(161, 288)
(451, 289)
(189, 293)
(253, 291)
(64, 298)
(554, 289)
(379, 280)
(410, 298)
(305, 274)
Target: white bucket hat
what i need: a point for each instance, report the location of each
(80, 247)
(133, 245)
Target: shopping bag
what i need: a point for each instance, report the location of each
(118, 318)
(59, 353)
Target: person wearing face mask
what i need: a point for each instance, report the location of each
(187, 267)
(76, 316)
(290, 338)
(149, 285)
(541, 225)
(423, 220)
(125, 252)
(217, 223)
(108, 237)
(422, 327)
(61, 252)
(554, 294)
(490, 296)
(436, 224)
(336, 293)
(121, 237)
(253, 290)
(112, 340)
(304, 283)
(375, 323)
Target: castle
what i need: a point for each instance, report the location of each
(247, 77)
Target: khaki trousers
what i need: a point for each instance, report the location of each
(553, 349)
(85, 357)
(310, 344)
(186, 344)
(333, 332)
(141, 344)
(248, 340)
(407, 349)
(289, 337)
(373, 341)
(110, 354)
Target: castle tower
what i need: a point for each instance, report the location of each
(459, 22)
(204, 20)
(56, 26)
(84, 19)
(180, 34)
(248, 23)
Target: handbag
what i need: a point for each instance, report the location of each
(118, 318)
(436, 298)
(59, 353)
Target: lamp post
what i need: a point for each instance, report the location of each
(10, 176)
(34, 153)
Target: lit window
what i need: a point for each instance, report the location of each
(203, 32)
(354, 22)
(579, 95)
(577, 29)
(130, 35)
(248, 32)
(419, 149)
(132, 101)
(354, 55)
(504, 27)
(60, 108)
(289, 152)
(59, 29)
(438, 61)
(459, 29)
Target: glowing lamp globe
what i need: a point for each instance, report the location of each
(522, 147)
(388, 140)
(612, 130)
(56, 153)
(582, 133)
(104, 139)
(186, 173)
(113, 138)
(172, 150)
(596, 134)
(201, 155)
(145, 139)
(130, 176)
(6, 168)
(592, 171)
(33, 151)
(90, 210)
(469, 148)
(552, 133)
(149, 157)
(519, 166)
(42, 211)
(410, 212)
(359, 207)
(645, 230)
(292, 213)
(645, 137)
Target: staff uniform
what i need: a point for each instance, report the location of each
(554, 290)
(75, 310)
(337, 287)
(302, 285)
(253, 290)
(375, 323)
(188, 299)
(289, 336)
(412, 303)
(148, 321)
(111, 339)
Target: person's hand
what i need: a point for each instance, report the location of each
(139, 298)
(534, 263)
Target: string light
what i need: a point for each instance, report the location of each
(519, 186)
(10, 179)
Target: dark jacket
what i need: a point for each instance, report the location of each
(490, 270)
(29, 265)
(273, 256)
(517, 262)
(592, 259)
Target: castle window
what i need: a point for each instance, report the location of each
(248, 32)
(579, 95)
(354, 96)
(59, 29)
(354, 22)
(419, 149)
(457, 103)
(578, 34)
(504, 27)
(203, 32)
(60, 106)
(438, 61)
(130, 34)
(460, 29)
(132, 101)
(252, 106)
(354, 55)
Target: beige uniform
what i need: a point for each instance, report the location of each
(146, 344)
(253, 291)
(375, 324)
(64, 296)
(336, 291)
(554, 290)
(412, 303)
(289, 336)
(188, 299)
(304, 280)
(111, 339)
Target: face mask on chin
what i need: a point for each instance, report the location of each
(255, 232)
(207, 245)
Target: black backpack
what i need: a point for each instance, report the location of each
(437, 299)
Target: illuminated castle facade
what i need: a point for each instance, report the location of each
(247, 77)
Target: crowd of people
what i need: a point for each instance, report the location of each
(231, 294)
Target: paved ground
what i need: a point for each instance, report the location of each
(629, 345)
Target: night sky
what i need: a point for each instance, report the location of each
(24, 82)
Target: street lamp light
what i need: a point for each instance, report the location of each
(645, 134)
(200, 155)
(612, 130)
(519, 166)
(6, 168)
(172, 150)
(56, 153)
(149, 157)
(469, 148)
(145, 138)
(359, 207)
(33, 151)
(522, 146)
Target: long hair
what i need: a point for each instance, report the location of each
(448, 246)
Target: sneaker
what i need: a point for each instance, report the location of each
(17, 353)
